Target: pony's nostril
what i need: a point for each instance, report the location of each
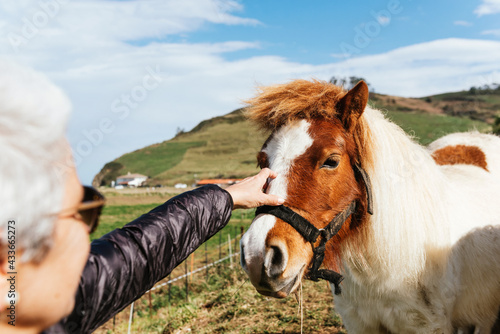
(242, 258)
(276, 260)
(277, 257)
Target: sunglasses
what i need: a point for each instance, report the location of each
(90, 208)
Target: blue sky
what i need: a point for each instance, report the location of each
(148, 67)
(314, 34)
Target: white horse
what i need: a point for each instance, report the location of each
(426, 261)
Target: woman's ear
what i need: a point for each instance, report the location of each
(352, 105)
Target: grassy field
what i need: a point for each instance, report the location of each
(115, 216)
(426, 128)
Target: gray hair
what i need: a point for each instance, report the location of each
(33, 117)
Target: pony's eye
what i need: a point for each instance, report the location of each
(331, 163)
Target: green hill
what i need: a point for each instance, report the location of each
(226, 146)
(223, 146)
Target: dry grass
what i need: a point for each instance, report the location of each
(228, 303)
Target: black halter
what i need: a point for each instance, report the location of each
(310, 233)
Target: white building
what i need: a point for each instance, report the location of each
(131, 180)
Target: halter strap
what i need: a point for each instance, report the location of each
(368, 187)
(311, 233)
(307, 230)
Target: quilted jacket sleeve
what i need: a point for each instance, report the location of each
(127, 262)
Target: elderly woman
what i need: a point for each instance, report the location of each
(51, 278)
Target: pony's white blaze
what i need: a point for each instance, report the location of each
(286, 145)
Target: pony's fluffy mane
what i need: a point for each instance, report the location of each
(275, 106)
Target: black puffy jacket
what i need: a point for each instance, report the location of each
(127, 262)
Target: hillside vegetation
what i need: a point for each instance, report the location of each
(226, 146)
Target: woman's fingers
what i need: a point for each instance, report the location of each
(248, 193)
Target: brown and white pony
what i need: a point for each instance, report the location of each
(426, 261)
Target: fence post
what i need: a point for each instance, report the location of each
(131, 318)
(206, 258)
(220, 242)
(192, 265)
(235, 238)
(169, 291)
(220, 254)
(187, 283)
(150, 305)
(230, 251)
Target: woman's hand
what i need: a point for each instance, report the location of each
(249, 193)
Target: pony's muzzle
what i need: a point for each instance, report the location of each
(275, 260)
(269, 262)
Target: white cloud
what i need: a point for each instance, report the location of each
(463, 23)
(494, 32)
(85, 48)
(103, 24)
(488, 7)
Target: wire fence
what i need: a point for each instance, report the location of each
(158, 286)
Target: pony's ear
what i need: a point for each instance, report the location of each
(352, 105)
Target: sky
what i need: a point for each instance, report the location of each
(138, 70)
